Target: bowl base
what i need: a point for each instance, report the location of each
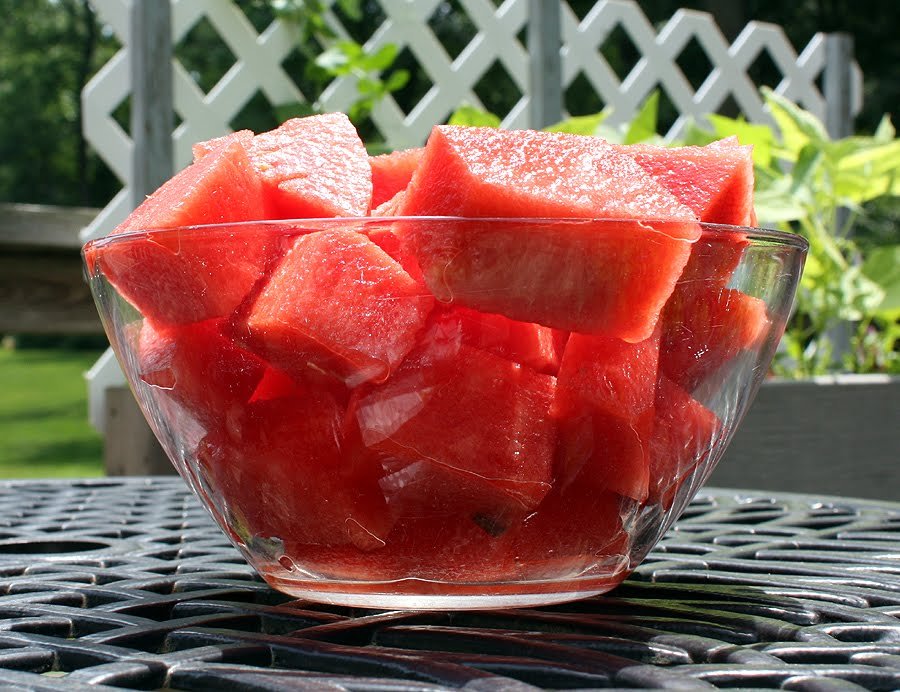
(420, 594)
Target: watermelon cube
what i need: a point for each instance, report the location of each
(685, 433)
(704, 327)
(533, 345)
(392, 172)
(198, 366)
(715, 181)
(605, 406)
(313, 167)
(280, 464)
(201, 149)
(193, 275)
(483, 418)
(576, 531)
(338, 304)
(607, 278)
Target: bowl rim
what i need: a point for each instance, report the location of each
(752, 233)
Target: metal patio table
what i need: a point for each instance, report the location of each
(126, 583)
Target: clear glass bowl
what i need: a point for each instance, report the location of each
(445, 412)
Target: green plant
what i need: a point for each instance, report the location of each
(819, 187)
(809, 183)
(330, 56)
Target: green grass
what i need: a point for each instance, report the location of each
(44, 431)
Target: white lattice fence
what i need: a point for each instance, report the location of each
(259, 58)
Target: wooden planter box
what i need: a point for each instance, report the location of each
(831, 435)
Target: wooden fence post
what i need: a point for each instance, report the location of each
(545, 63)
(152, 113)
(837, 88)
(131, 447)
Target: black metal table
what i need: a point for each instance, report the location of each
(128, 584)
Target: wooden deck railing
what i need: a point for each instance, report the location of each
(42, 287)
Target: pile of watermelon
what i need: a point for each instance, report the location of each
(496, 396)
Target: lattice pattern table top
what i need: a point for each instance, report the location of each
(127, 584)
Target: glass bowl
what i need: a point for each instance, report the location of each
(445, 412)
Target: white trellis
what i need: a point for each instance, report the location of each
(259, 56)
(258, 68)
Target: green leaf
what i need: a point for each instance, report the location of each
(351, 49)
(885, 131)
(644, 124)
(352, 8)
(697, 137)
(334, 60)
(397, 80)
(471, 116)
(804, 171)
(775, 207)
(382, 59)
(580, 124)
(874, 160)
(369, 86)
(797, 126)
(882, 266)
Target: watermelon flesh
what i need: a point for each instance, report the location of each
(313, 167)
(475, 414)
(684, 434)
(281, 467)
(201, 149)
(199, 366)
(392, 172)
(155, 275)
(605, 407)
(364, 328)
(715, 181)
(540, 348)
(704, 330)
(513, 269)
(704, 323)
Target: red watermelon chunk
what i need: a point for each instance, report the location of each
(338, 304)
(475, 414)
(537, 347)
(198, 366)
(605, 405)
(704, 328)
(390, 242)
(616, 277)
(313, 167)
(435, 549)
(192, 275)
(577, 531)
(392, 172)
(222, 187)
(480, 172)
(715, 181)
(714, 257)
(391, 207)
(581, 276)
(281, 467)
(685, 433)
(201, 149)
